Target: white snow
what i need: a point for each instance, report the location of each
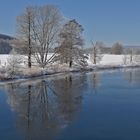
(109, 59)
(3, 59)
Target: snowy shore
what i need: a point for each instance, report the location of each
(108, 61)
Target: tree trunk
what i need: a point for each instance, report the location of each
(29, 60)
(29, 41)
(94, 55)
(131, 57)
(94, 59)
(29, 53)
(70, 63)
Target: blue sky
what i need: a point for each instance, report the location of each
(103, 20)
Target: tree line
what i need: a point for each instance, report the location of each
(41, 28)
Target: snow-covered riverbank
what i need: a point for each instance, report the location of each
(107, 61)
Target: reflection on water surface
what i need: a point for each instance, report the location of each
(74, 106)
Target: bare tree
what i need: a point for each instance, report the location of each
(37, 29)
(134, 56)
(71, 42)
(131, 55)
(45, 27)
(117, 48)
(24, 32)
(96, 55)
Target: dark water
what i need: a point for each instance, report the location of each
(85, 106)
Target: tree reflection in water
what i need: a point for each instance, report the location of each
(94, 83)
(132, 76)
(44, 108)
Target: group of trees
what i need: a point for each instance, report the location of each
(45, 104)
(41, 28)
(98, 49)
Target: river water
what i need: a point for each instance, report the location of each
(102, 105)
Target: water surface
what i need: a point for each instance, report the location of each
(96, 105)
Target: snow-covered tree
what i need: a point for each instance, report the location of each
(45, 28)
(24, 32)
(96, 54)
(71, 43)
(14, 62)
(38, 29)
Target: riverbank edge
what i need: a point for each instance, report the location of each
(22, 78)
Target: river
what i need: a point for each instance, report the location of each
(102, 105)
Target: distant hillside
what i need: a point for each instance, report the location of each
(2, 36)
(5, 44)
